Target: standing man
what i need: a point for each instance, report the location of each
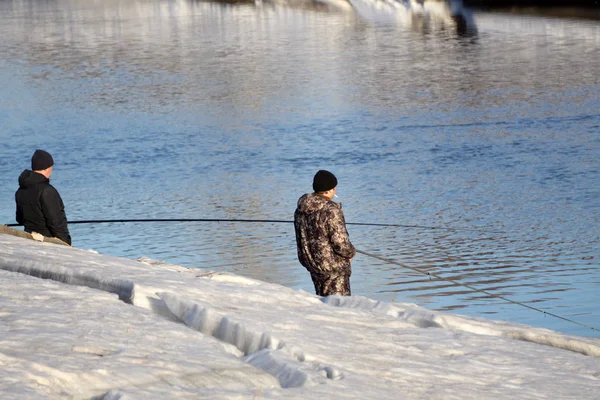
(324, 247)
(39, 206)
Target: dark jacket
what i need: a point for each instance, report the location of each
(321, 236)
(40, 208)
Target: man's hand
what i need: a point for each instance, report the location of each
(37, 236)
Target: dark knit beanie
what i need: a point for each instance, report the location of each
(324, 181)
(41, 160)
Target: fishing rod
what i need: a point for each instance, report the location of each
(458, 283)
(277, 221)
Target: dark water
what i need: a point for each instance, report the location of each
(483, 125)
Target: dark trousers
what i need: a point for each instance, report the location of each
(326, 284)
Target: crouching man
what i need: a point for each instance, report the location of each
(39, 206)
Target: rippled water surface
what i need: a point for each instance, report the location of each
(478, 131)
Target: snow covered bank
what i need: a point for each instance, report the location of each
(103, 327)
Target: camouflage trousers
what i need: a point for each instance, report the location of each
(326, 285)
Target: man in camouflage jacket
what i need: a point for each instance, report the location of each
(324, 247)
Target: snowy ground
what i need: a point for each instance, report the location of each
(109, 328)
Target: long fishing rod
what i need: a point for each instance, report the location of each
(457, 283)
(108, 221)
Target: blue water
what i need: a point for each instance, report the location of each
(487, 131)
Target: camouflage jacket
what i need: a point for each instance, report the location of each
(321, 236)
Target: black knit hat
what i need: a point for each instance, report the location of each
(324, 181)
(41, 160)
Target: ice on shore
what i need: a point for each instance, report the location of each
(104, 327)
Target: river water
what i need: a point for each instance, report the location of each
(478, 131)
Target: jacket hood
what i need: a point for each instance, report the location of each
(30, 178)
(311, 203)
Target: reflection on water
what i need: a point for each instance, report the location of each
(482, 125)
(420, 16)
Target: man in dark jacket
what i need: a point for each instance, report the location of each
(39, 206)
(324, 247)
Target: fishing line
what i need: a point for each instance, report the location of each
(457, 283)
(107, 221)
